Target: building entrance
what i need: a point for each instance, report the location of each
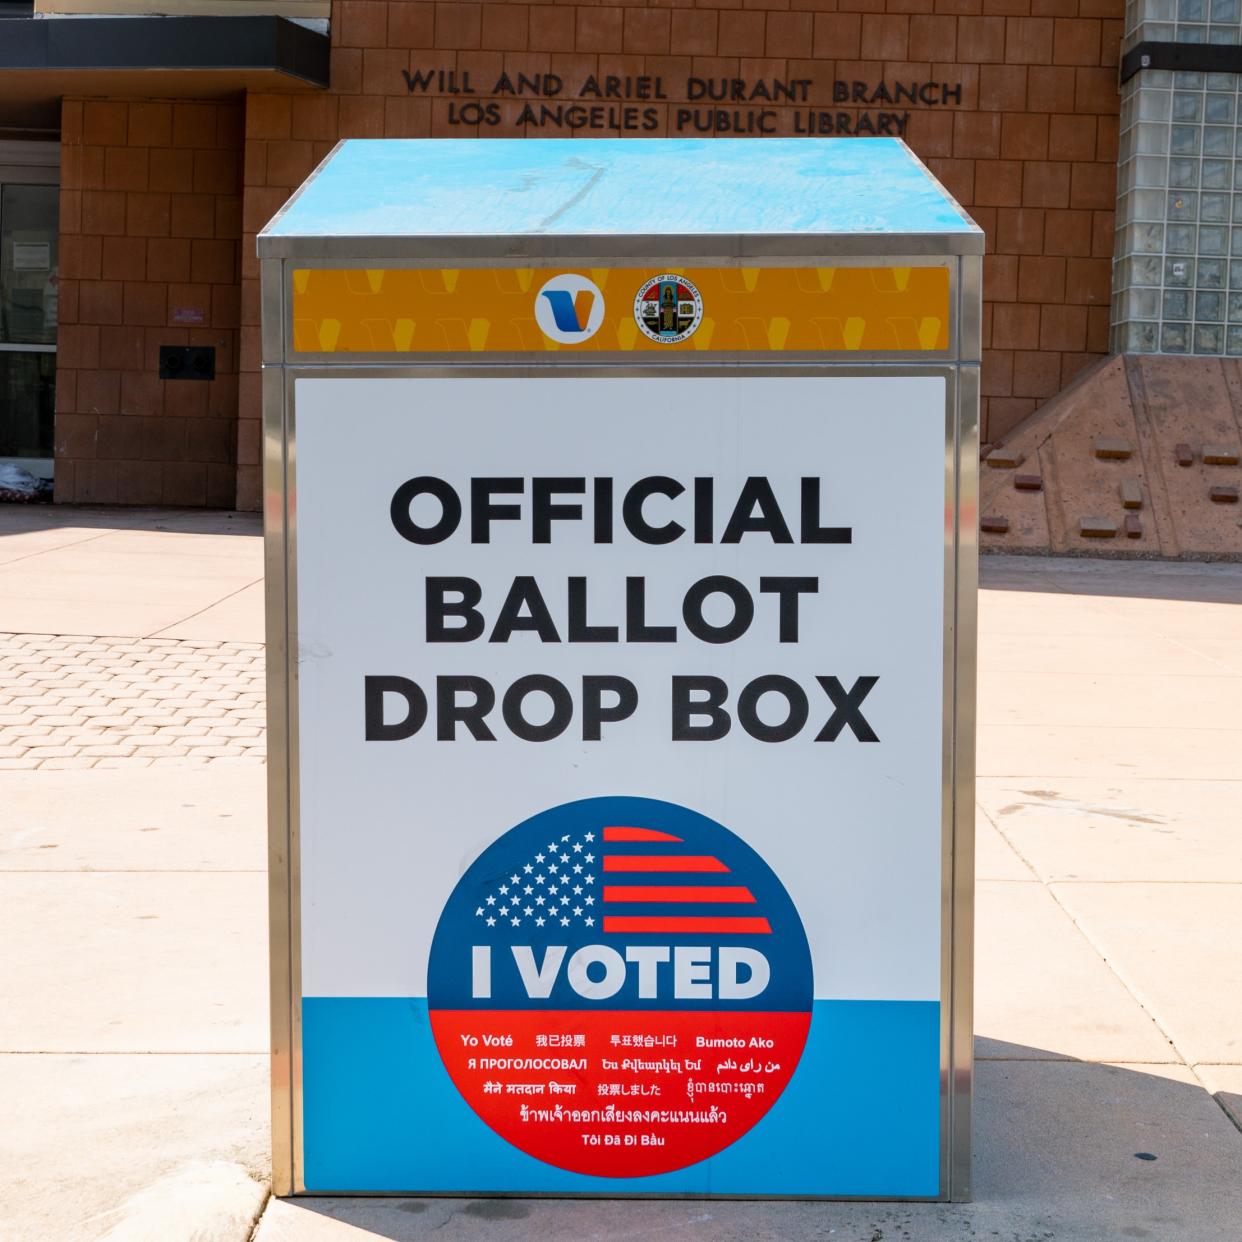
(29, 303)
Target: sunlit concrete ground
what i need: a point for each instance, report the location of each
(132, 909)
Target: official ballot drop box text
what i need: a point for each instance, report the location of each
(621, 573)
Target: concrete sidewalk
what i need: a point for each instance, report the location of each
(133, 1095)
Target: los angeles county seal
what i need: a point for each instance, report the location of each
(668, 309)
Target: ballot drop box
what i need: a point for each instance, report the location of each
(621, 574)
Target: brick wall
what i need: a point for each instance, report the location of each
(1031, 149)
(150, 221)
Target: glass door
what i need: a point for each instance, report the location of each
(29, 303)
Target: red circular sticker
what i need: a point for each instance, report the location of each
(620, 987)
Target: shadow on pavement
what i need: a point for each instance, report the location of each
(15, 519)
(1211, 582)
(1065, 1151)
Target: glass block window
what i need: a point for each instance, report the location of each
(1182, 21)
(1177, 265)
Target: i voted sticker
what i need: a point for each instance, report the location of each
(620, 987)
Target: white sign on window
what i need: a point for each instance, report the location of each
(32, 256)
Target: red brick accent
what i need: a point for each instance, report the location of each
(1036, 374)
(150, 231)
(599, 29)
(788, 34)
(837, 35)
(1024, 136)
(105, 124)
(1051, 89)
(933, 38)
(1063, 328)
(997, 373)
(1041, 279)
(981, 39)
(646, 31)
(885, 37)
(506, 27)
(1005, 413)
(1002, 88)
(1015, 326)
(999, 183)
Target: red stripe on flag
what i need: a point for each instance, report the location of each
(667, 862)
(622, 923)
(637, 834)
(675, 892)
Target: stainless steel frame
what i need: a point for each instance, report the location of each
(553, 250)
(959, 366)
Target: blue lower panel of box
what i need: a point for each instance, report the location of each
(861, 1115)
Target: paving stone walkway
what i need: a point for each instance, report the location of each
(68, 701)
(133, 907)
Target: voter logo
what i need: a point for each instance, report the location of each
(620, 987)
(668, 309)
(569, 309)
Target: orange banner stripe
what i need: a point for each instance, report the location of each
(492, 310)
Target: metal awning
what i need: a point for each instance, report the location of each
(45, 58)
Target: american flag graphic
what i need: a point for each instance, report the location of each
(622, 879)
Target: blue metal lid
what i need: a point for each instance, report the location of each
(612, 186)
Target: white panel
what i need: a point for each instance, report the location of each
(852, 829)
